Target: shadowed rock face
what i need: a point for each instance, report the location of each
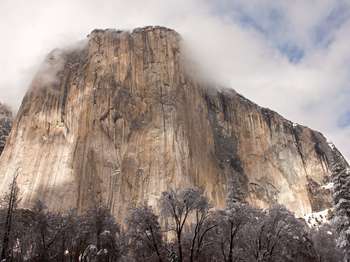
(5, 125)
(123, 117)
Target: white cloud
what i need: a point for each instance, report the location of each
(240, 42)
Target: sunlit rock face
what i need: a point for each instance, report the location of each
(5, 125)
(123, 117)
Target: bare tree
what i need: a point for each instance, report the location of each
(203, 224)
(47, 228)
(102, 231)
(178, 205)
(10, 203)
(280, 236)
(145, 233)
(324, 240)
(231, 221)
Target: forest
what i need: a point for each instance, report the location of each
(187, 228)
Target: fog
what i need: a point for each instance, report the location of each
(292, 56)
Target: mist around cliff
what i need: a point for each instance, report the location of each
(48, 72)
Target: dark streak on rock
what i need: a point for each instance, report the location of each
(320, 198)
(320, 147)
(226, 146)
(296, 131)
(268, 116)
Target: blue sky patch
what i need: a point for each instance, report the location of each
(344, 120)
(323, 33)
(293, 52)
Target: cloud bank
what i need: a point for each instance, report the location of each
(292, 56)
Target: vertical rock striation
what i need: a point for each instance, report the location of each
(123, 117)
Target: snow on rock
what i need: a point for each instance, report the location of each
(316, 219)
(328, 186)
(331, 145)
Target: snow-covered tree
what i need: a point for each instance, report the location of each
(201, 226)
(45, 231)
(231, 222)
(144, 234)
(103, 231)
(341, 197)
(324, 240)
(279, 236)
(179, 205)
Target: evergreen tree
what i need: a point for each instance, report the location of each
(341, 197)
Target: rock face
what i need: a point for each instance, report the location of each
(123, 117)
(5, 125)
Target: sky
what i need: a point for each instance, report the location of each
(292, 56)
